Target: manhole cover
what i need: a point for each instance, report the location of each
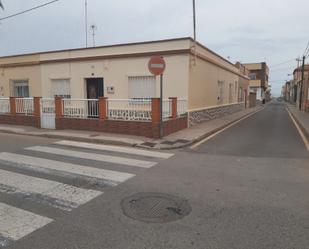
(155, 207)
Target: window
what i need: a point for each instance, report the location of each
(240, 95)
(61, 88)
(20, 88)
(142, 87)
(252, 76)
(231, 97)
(220, 92)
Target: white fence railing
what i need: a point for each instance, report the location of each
(81, 108)
(4, 105)
(129, 109)
(24, 106)
(182, 107)
(117, 109)
(167, 108)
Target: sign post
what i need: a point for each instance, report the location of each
(157, 66)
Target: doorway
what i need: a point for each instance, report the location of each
(95, 88)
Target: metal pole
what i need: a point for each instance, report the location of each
(194, 21)
(302, 83)
(86, 22)
(161, 106)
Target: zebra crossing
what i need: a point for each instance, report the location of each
(32, 175)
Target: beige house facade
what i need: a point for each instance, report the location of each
(193, 72)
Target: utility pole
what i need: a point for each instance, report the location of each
(86, 22)
(1, 5)
(194, 21)
(302, 82)
(194, 34)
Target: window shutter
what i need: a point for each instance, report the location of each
(142, 86)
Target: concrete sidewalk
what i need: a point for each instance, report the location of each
(302, 118)
(177, 140)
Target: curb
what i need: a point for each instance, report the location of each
(78, 139)
(303, 129)
(202, 137)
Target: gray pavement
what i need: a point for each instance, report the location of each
(247, 187)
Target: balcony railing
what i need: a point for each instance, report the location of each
(81, 108)
(129, 109)
(24, 106)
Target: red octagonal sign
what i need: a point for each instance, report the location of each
(156, 65)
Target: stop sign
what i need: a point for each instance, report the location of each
(156, 65)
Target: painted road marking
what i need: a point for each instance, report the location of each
(120, 149)
(49, 166)
(63, 196)
(193, 147)
(16, 223)
(306, 142)
(93, 156)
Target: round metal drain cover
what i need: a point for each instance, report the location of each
(155, 207)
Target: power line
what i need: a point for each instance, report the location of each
(28, 10)
(307, 49)
(282, 63)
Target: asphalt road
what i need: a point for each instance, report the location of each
(248, 189)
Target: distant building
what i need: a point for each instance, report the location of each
(259, 75)
(301, 89)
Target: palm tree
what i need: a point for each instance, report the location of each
(1, 5)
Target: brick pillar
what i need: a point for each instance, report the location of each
(13, 105)
(155, 110)
(155, 117)
(103, 108)
(58, 107)
(37, 107)
(174, 107)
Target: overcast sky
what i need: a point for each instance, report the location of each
(248, 31)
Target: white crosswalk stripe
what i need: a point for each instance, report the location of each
(53, 193)
(94, 156)
(131, 151)
(50, 166)
(16, 223)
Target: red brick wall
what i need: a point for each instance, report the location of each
(172, 126)
(146, 129)
(20, 120)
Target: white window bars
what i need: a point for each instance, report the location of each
(129, 109)
(24, 106)
(4, 105)
(81, 108)
(182, 107)
(167, 108)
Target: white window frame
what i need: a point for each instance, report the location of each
(146, 93)
(24, 89)
(56, 91)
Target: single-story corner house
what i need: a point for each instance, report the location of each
(210, 85)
